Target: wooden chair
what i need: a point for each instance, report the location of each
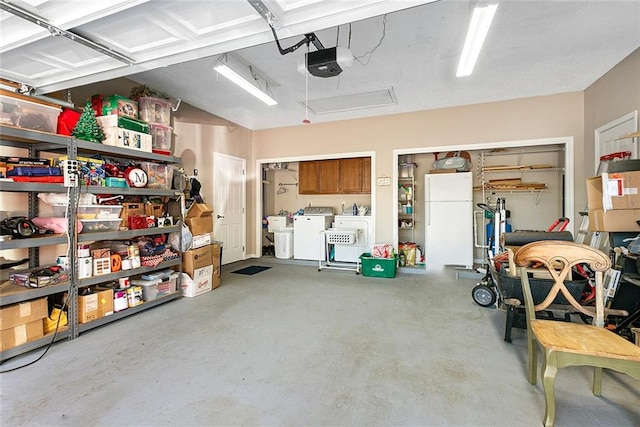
(566, 343)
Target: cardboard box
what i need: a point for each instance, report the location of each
(612, 191)
(200, 225)
(200, 282)
(120, 105)
(21, 334)
(216, 271)
(22, 313)
(125, 138)
(216, 249)
(199, 210)
(95, 305)
(614, 220)
(199, 219)
(196, 258)
(200, 240)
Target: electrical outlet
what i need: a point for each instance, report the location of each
(70, 172)
(309, 203)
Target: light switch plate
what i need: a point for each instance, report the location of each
(383, 180)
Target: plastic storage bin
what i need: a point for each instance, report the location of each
(90, 211)
(25, 114)
(159, 176)
(99, 211)
(378, 267)
(284, 243)
(161, 138)
(95, 225)
(154, 110)
(169, 286)
(149, 288)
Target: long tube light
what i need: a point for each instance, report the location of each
(478, 29)
(244, 84)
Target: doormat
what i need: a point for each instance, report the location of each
(251, 270)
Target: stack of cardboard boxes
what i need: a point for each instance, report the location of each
(21, 323)
(614, 202)
(201, 263)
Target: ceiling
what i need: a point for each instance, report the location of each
(406, 51)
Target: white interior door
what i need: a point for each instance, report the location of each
(229, 213)
(606, 137)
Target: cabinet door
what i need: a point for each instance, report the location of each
(328, 176)
(308, 177)
(351, 175)
(366, 174)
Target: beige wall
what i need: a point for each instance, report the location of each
(473, 125)
(610, 97)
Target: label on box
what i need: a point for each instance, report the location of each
(201, 240)
(25, 309)
(614, 185)
(91, 303)
(20, 333)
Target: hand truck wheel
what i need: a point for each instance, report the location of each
(483, 295)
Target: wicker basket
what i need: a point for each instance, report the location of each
(153, 209)
(131, 209)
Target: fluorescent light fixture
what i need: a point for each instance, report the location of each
(478, 29)
(245, 84)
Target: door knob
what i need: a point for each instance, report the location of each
(220, 216)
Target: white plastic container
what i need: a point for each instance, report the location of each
(96, 225)
(167, 286)
(149, 288)
(154, 110)
(284, 243)
(161, 138)
(16, 110)
(99, 211)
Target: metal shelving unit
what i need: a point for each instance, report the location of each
(34, 143)
(406, 199)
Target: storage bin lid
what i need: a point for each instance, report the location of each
(145, 282)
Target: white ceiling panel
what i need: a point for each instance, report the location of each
(62, 14)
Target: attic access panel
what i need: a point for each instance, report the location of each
(352, 101)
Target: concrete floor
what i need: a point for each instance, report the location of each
(293, 346)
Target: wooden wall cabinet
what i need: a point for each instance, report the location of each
(308, 177)
(341, 176)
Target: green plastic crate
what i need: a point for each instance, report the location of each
(378, 267)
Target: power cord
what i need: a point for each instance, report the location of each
(65, 304)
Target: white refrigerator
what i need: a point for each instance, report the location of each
(448, 220)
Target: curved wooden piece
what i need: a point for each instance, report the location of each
(562, 255)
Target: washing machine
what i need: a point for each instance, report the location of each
(308, 233)
(364, 239)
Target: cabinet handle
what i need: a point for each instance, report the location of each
(220, 216)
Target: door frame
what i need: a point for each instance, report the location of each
(569, 169)
(258, 187)
(218, 155)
